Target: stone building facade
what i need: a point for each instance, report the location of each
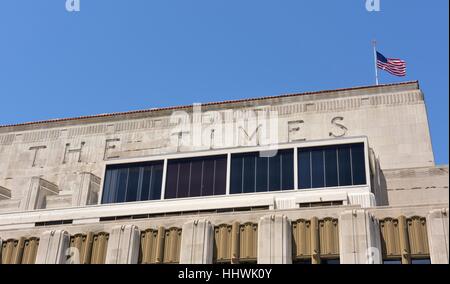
(339, 176)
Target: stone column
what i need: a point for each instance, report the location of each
(197, 242)
(88, 190)
(52, 248)
(359, 238)
(36, 196)
(274, 240)
(123, 245)
(437, 229)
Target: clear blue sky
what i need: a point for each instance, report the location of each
(120, 55)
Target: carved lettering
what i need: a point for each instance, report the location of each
(36, 150)
(246, 120)
(68, 151)
(294, 127)
(343, 129)
(253, 135)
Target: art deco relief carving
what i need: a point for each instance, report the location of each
(295, 129)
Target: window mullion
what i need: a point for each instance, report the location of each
(324, 169)
(295, 159)
(150, 189)
(351, 164)
(337, 164)
(202, 185)
(163, 181)
(268, 173)
(256, 171)
(228, 175)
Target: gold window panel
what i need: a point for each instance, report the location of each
(226, 243)
(301, 239)
(315, 239)
(235, 243)
(248, 242)
(21, 251)
(84, 244)
(329, 238)
(172, 243)
(160, 245)
(99, 246)
(418, 238)
(404, 238)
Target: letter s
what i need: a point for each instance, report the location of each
(340, 126)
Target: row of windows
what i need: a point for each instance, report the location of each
(318, 167)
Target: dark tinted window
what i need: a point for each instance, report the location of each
(287, 170)
(249, 173)
(304, 169)
(262, 174)
(236, 183)
(172, 182)
(331, 168)
(122, 185)
(151, 179)
(358, 165)
(392, 261)
(302, 261)
(345, 167)
(275, 170)
(197, 178)
(220, 175)
(317, 167)
(252, 172)
(328, 166)
(132, 182)
(330, 261)
(421, 261)
(184, 178)
(201, 176)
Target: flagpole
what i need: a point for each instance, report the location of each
(374, 43)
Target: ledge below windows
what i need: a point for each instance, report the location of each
(351, 195)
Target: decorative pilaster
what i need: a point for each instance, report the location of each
(197, 242)
(359, 238)
(37, 193)
(274, 240)
(123, 245)
(52, 247)
(437, 229)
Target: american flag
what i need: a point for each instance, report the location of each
(394, 66)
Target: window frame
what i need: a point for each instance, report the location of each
(243, 149)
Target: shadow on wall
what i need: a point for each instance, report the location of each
(379, 184)
(384, 200)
